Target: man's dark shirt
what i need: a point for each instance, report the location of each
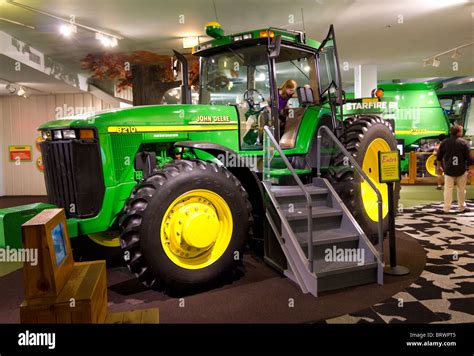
(454, 153)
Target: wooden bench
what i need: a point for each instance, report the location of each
(83, 299)
(144, 316)
(59, 290)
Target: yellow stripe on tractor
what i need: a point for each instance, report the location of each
(135, 129)
(419, 131)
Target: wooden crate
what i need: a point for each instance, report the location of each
(46, 280)
(86, 287)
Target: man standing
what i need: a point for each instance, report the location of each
(454, 154)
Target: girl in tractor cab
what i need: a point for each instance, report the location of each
(285, 93)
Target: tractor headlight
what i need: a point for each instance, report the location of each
(46, 135)
(69, 134)
(57, 134)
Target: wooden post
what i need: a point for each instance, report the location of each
(412, 168)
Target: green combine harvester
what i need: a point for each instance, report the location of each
(182, 189)
(458, 105)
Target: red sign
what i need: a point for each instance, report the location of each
(20, 153)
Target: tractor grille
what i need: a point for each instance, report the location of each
(124, 146)
(73, 176)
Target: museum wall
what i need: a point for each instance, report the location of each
(19, 120)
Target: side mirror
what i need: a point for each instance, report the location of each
(274, 47)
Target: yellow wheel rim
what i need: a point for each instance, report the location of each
(106, 239)
(371, 168)
(431, 165)
(196, 229)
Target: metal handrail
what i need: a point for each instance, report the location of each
(361, 172)
(309, 201)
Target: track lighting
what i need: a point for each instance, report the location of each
(17, 89)
(190, 42)
(67, 30)
(68, 27)
(106, 41)
(435, 61)
(456, 55)
(21, 91)
(11, 88)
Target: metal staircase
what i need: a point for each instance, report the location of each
(320, 245)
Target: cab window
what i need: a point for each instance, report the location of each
(297, 65)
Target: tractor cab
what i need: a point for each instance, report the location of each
(249, 70)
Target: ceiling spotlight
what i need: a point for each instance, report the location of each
(105, 40)
(456, 55)
(10, 88)
(21, 92)
(190, 42)
(436, 62)
(67, 30)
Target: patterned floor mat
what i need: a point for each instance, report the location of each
(444, 292)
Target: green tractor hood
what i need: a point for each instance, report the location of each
(147, 118)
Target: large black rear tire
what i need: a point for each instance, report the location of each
(143, 240)
(359, 133)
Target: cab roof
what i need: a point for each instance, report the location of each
(214, 30)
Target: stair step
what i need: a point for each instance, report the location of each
(334, 268)
(292, 191)
(324, 237)
(317, 212)
(293, 196)
(336, 277)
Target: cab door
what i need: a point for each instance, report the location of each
(329, 74)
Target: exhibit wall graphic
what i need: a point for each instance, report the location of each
(20, 120)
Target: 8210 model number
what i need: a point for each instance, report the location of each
(126, 129)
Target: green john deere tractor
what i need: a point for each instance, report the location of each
(179, 187)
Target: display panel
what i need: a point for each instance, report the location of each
(57, 233)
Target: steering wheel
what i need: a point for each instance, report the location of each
(254, 99)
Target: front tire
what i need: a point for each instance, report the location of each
(184, 228)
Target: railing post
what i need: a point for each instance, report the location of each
(266, 157)
(310, 237)
(318, 153)
(380, 228)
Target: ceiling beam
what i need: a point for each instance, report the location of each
(24, 54)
